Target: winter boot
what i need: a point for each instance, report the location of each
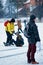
(34, 62)
(6, 44)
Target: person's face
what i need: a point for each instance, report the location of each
(35, 19)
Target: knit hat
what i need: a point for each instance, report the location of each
(12, 20)
(32, 17)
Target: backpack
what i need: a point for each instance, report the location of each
(19, 41)
(27, 30)
(6, 22)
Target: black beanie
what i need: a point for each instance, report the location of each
(32, 17)
(12, 20)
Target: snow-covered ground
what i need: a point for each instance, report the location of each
(13, 55)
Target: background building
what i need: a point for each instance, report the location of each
(21, 8)
(36, 8)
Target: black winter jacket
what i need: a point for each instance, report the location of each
(34, 35)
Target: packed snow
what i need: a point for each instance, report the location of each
(13, 55)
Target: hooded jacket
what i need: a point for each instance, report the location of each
(10, 27)
(34, 35)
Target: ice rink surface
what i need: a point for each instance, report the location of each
(13, 55)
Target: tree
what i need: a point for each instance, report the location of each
(10, 8)
(1, 10)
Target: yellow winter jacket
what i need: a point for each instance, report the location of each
(10, 27)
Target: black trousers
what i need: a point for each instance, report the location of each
(17, 42)
(9, 37)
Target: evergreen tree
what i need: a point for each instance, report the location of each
(1, 10)
(10, 8)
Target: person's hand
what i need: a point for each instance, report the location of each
(13, 31)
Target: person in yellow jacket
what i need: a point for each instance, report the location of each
(9, 28)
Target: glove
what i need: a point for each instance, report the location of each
(38, 46)
(13, 31)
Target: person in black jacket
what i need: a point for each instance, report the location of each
(32, 39)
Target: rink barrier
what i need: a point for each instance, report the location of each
(12, 49)
(15, 54)
(12, 55)
(8, 49)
